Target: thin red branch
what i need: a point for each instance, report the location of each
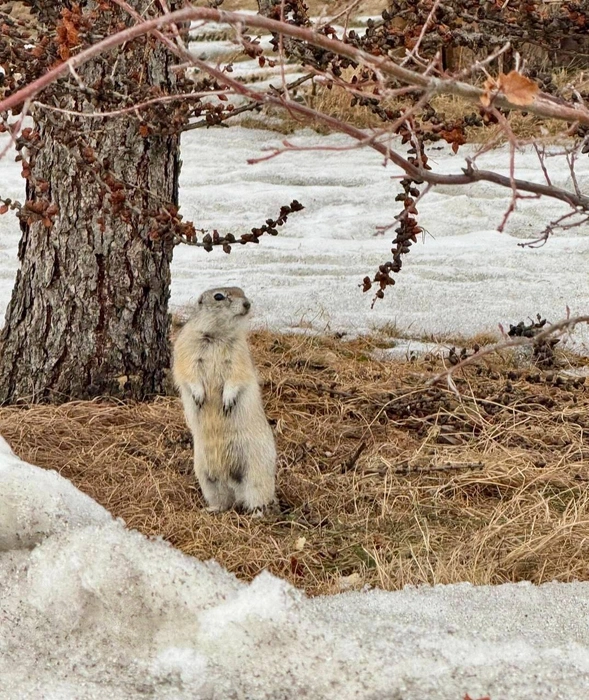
(133, 108)
(15, 129)
(415, 50)
(541, 157)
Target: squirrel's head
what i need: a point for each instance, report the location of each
(227, 303)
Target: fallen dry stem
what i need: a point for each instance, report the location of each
(554, 330)
(383, 480)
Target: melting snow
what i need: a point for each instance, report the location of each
(462, 279)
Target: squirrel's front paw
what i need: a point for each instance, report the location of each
(230, 398)
(198, 394)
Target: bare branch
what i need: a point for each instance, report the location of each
(541, 153)
(415, 50)
(557, 224)
(133, 108)
(469, 174)
(15, 130)
(544, 105)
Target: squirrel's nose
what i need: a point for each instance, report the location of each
(247, 304)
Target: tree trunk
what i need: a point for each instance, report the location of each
(89, 310)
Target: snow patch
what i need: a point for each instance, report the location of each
(36, 503)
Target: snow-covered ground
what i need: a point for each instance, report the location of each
(95, 611)
(463, 278)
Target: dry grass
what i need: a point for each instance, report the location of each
(336, 102)
(382, 480)
(524, 126)
(317, 8)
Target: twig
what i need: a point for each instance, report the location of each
(351, 463)
(318, 387)
(408, 469)
(541, 157)
(15, 129)
(287, 146)
(415, 50)
(133, 108)
(558, 223)
(381, 230)
(571, 157)
(249, 107)
(560, 327)
(346, 11)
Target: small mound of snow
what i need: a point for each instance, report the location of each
(107, 610)
(36, 503)
(408, 349)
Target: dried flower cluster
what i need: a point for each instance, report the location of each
(170, 223)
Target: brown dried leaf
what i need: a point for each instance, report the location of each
(71, 32)
(518, 89)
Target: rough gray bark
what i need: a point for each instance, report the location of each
(89, 310)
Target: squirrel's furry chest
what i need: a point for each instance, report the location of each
(212, 363)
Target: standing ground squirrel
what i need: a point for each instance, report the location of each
(234, 452)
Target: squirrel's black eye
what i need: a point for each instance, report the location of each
(219, 297)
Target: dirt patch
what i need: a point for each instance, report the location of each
(382, 479)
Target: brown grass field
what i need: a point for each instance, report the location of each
(382, 480)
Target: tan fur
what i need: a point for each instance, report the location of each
(234, 452)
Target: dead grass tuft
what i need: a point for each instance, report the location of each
(336, 102)
(382, 480)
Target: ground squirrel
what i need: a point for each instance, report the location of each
(234, 452)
